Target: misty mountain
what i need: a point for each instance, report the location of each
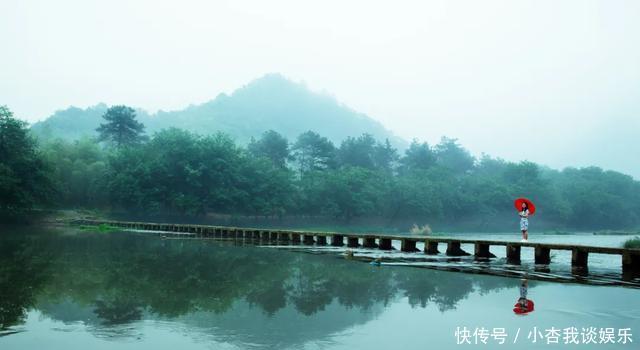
(271, 102)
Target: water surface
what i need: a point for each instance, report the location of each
(66, 289)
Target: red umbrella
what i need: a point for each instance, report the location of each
(518, 204)
(523, 311)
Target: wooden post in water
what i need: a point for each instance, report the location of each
(308, 239)
(513, 254)
(353, 242)
(542, 255)
(431, 247)
(481, 250)
(579, 257)
(453, 249)
(369, 242)
(631, 262)
(408, 245)
(321, 240)
(283, 236)
(337, 240)
(385, 244)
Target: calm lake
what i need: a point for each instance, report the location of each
(62, 288)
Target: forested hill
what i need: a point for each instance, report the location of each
(268, 103)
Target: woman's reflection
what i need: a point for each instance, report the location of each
(524, 305)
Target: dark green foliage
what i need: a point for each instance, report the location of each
(365, 152)
(78, 172)
(121, 127)
(272, 146)
(419, 156)
(358, 152)
(345, 193)
(313, 152)
(24, 176)
(632, 243)
(179, 172)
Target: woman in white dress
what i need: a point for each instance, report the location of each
(524, 221)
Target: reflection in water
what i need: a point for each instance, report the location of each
(523, 306)
(128, 289)
(111, 280)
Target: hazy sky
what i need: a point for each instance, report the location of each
(556, 82)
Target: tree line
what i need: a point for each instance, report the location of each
(179, 172)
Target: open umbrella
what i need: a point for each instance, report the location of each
(529, 307)
(518, 204)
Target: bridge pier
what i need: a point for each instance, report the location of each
(337, 240)
(579, 257)
(579, 253)
(513, 254)
(385, 244)
(481, 250)
(431, 247)
(308, 239)
(369, 242)
(542, 255)
(631, 263)
(353, 242)
(283, 236)
(408, 245)
(453, 249)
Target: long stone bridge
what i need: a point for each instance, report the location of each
(630, 258)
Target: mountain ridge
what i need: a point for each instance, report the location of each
(271, 102)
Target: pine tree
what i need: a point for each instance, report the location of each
(122, 128)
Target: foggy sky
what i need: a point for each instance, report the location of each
(555, 82)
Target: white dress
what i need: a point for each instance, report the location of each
(524, 222)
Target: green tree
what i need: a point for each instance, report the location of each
(346, 193)
(358, 152)
(79, 171)
(385, 157)
(24, 177)
(450, 154)
(121, 127)
(272, 146)
(418, 156)
(313, 152)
